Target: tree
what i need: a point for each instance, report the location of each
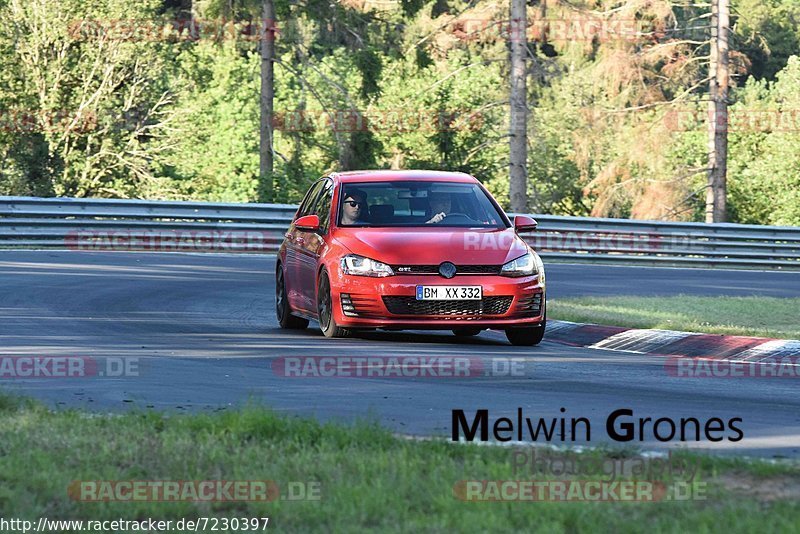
(267, 97)
(518, 134)
(98, 97)
(719, 83)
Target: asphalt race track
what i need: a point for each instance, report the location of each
(203, 331)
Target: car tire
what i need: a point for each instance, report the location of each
(528, 336)
(525, 337)
(327, 323)
(282, 308)
(466, 331)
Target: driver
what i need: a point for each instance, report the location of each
(440, 205)
(354, 207)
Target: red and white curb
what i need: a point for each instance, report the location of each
(736, 352)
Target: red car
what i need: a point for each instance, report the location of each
(409, 250)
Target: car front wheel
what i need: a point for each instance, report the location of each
(526, 337)
(325, 309)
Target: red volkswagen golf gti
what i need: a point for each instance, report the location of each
(409, 250)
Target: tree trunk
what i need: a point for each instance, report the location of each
(716, 195)
(267, 97)
(518, 168)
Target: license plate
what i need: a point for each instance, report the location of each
(449, 292)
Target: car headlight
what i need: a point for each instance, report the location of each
(361, 266)
(526, 265)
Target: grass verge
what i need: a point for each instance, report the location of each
(369, 479)
(745, 316)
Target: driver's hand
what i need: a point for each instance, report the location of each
(437, 218)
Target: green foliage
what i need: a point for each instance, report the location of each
(766, 317)
(369, 65)
(381, 84)
(767, 32)
(411, 7)
(767, 159)
(764, 151)
(95, 101)
(218, 124)
(360, 477)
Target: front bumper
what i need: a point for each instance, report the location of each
(371, 302)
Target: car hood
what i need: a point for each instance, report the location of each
(425, 246)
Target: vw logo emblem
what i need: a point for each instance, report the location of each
(447, 269)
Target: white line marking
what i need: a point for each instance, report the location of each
(640, 341)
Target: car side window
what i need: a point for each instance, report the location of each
(323, 205)
(310, 200)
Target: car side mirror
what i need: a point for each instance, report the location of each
(523, 223)
(307, 223)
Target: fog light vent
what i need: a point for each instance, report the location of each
(536, 304)
(347, 306)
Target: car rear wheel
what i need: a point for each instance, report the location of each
(466, 331)
(282, 309)
(325, 309)
(525, 337)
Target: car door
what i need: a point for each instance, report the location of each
(294, 256)
(312, 244)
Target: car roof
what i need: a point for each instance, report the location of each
(396, 175)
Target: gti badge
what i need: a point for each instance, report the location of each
(447, 269)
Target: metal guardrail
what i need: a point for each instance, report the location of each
(98, 224)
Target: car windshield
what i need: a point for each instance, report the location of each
(428, 204)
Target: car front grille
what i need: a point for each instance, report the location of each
(412, 306)
(434, 269)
